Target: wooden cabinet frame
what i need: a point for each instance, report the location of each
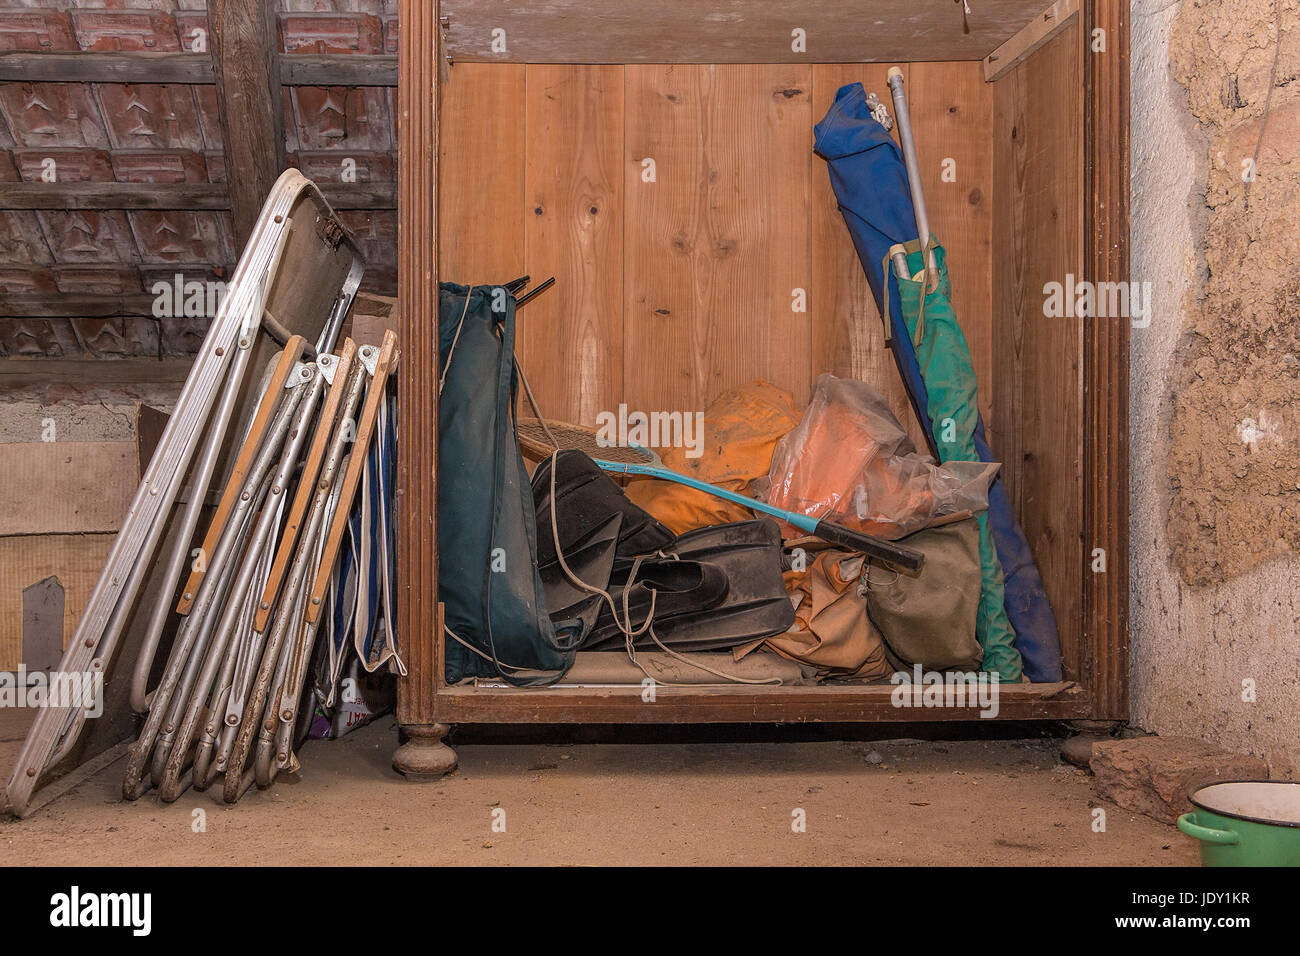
(426, 706)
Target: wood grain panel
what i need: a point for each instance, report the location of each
(419, 634)
(848, 333)
(66, 487)
(719, 241)
(1106, 358)
(753, 31)
(76, 559)
(739, 704)
(1038, 238)
(952, 119)
(570, 338)
(482, 174)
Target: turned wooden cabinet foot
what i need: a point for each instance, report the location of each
(424, 756)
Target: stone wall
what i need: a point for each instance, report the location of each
(1215, 489)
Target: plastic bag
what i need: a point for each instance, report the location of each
(850, 460)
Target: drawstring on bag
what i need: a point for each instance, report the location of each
(910, 247)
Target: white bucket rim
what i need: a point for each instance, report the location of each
(1201, 796)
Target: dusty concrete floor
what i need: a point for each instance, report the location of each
(971, 802)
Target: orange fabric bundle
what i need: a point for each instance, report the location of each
(831, 632)
(741, 427)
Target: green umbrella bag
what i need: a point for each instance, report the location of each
(953, 410)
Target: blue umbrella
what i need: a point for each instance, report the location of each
(871, 185)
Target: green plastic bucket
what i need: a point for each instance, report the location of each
(1246, 823)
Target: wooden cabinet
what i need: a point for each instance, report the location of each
(525, 151)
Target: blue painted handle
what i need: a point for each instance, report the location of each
(802, 522)
(905, 558)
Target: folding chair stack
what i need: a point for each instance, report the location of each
(230, 696)
(229, 700)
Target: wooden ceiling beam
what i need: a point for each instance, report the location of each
(58, 305)
(351, 69)
(244, 51)
(178, 196)
(360, 195)
(113, 196)
(192, 68)
(84, 372)
(92, 67)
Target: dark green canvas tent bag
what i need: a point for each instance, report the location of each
(487, 538)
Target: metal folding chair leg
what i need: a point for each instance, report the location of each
(258, 722)
(284, 376)
(232, 566)
(181, 675)
(264, 765)
(247, 645)
(344, 395)
(170, 786)
(205, 770)
(304, 563)
(137, 778)
(291, 698)
(189, 523)
(196, 628)
(338, 371)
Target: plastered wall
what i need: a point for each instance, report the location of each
(1215, 488)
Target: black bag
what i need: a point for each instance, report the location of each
(487, 541)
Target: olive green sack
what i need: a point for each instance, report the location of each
(929, 619)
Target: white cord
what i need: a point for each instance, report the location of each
(625, 625)
(442, 379)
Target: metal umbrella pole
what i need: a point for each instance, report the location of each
(898, 256)
(904, 120)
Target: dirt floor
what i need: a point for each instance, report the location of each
(1008, 802)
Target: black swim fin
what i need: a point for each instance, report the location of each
(669, 587)
(590, 559)
(585, 497)
(756, 604)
